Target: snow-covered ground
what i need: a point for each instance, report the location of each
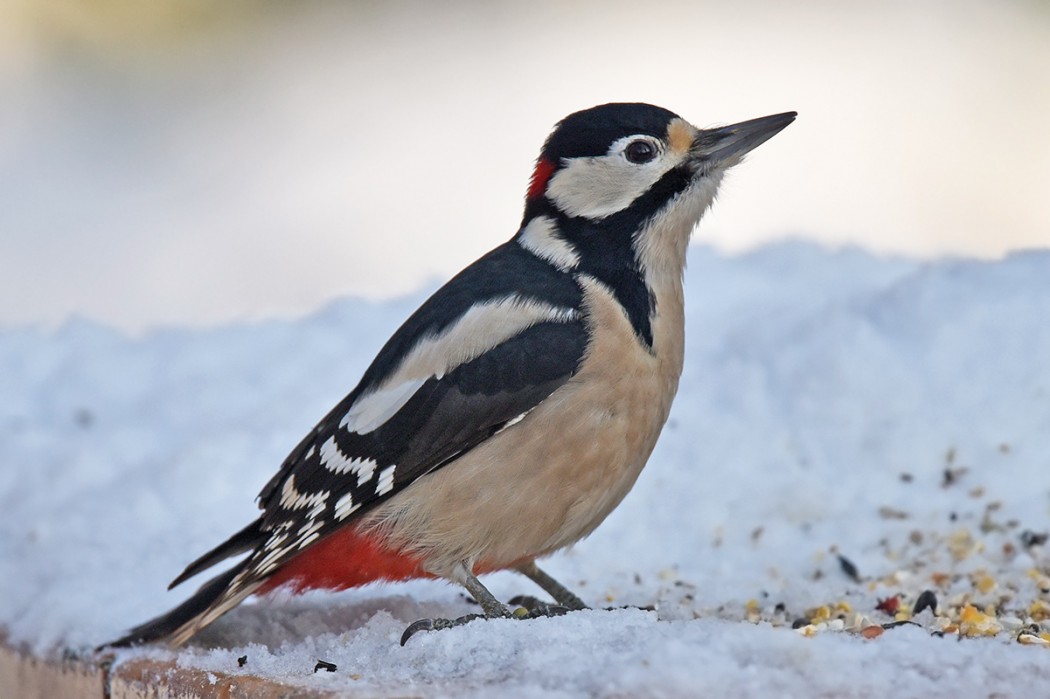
(835, 409)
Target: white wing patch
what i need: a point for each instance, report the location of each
(338, 463)
(345, 506)
(292, 499)
(482, 327)
(514, 420)
(280, 541)
(372, 410)
(540, 237)
(386, 481)
(308, 533)
(274, 549)
(270, 561)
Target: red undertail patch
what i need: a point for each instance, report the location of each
(540, 176)
(346, 558)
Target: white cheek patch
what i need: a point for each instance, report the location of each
(481, 328)
(599, 186)
(540, 237)
(596, 187)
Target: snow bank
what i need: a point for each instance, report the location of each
(833, 405)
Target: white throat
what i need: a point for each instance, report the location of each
(663, 241)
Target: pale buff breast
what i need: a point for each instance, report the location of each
(549, 480)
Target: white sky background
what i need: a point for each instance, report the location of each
(172, 162)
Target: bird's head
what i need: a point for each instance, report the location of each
(630, 160)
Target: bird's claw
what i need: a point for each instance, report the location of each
(436, 625)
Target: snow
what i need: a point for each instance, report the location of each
(890, 411)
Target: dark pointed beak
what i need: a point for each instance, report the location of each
(726, 146)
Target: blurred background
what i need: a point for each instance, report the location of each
(194, 162)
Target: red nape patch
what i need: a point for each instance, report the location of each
(540, 176)
(342, 560)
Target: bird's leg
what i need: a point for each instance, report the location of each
(492, 607)
(566, 600)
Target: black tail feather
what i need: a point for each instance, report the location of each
(245, 540)
(167, 624)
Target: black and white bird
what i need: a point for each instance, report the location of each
(509, 415)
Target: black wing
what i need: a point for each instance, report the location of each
(335, 475)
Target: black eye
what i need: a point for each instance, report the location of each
(639, 152)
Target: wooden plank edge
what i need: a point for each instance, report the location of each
(24, 676)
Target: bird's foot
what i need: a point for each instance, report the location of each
(437, 625)
(536, 607)
(527, 608)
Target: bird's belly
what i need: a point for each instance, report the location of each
(550, 479)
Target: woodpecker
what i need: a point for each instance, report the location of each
(509, 415)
